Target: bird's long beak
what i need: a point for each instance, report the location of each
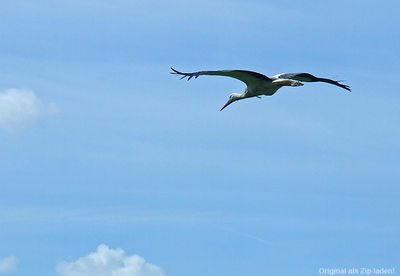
(227, 103)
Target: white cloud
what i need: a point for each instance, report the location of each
(20, 108)
(8, 264)
(109, 262)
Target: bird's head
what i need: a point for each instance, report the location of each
(232, 98)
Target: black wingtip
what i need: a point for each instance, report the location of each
(334, 82)
(184, 75)
(174, 71)
(345, 86)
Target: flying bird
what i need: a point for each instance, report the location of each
(258, 84)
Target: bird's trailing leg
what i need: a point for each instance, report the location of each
(297, 83)
(286, 82)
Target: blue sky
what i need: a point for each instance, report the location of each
(103, 149)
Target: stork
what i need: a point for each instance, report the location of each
(258, 84)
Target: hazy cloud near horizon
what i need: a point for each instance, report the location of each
(8, 264)
(20, 108)
(109, 262)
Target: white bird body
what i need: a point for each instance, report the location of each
(258, 84)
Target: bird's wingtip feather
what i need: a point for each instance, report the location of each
(174, 71)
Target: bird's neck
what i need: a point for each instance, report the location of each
(237, 96)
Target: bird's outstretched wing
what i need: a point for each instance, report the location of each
(310, 78)
(245, 76)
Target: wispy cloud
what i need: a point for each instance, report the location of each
(20, 108)
(109, 262)
(8, 264)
